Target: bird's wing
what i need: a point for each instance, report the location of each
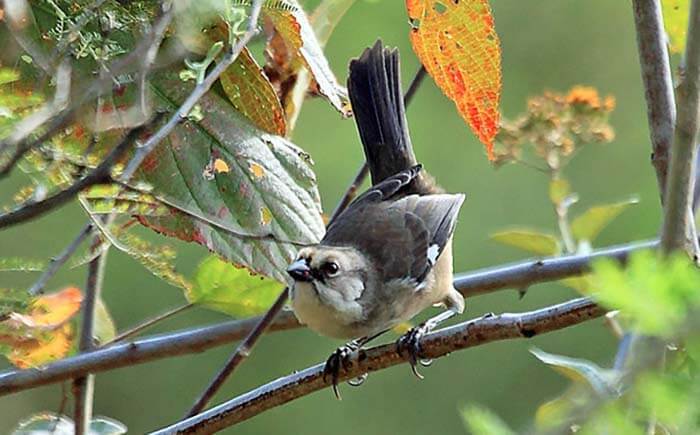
(403, 237)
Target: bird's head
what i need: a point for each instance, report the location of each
(341, 269)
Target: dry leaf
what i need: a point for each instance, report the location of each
(457, 43)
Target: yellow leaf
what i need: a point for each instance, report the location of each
(676, 14)
(265, 216)
(52, 310)
(46, 348)
(458, 45)
(529, 240)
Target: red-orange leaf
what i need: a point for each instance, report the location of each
(457, 43)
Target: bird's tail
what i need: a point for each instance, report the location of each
(374, 86)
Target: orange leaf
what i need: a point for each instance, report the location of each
(251, 93)
(457, 43)
(54, 309)
(44, 349)
(290, 21)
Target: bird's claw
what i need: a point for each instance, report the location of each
(410, 344)
(339, 359)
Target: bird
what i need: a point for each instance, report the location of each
(388, 255)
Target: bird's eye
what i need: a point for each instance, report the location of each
(330, 268)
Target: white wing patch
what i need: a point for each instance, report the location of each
(433, 252)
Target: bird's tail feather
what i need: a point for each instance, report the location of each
(374, 86)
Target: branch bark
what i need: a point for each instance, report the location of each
(678, 223)
(435, 345)
(658, 84)
(84, 386)
(518, 276)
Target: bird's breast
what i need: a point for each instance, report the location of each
(325, 314)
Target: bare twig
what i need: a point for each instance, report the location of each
(518, 276)
(678, 223)
(83, 386)
(351, 191)
(658, 85)
(415, 84)
(472, 333)
(241, 353)
(147, 324)
(57, 262)
(101, 174)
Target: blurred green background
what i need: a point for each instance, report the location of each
(547, 44)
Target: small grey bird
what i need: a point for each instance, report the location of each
(388, 256)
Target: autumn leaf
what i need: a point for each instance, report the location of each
(292, 24)
(251, 93)
(458, 45)
(42, 334)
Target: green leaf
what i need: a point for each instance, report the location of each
(588, 225)
(49, 423)
(559, 189)
(249, 196)
(603, 381)
(8, 75)
(16, 264)
(105, 330)
(655, 294)
(252, 94)
(223, 287)
(481, 421)
(676, 14)
(529, 240)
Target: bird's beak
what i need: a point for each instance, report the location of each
(300, 271)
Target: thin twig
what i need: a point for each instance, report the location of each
(678, 222)
(658, 84)
(101, 174)
(351, 191)
(147, 324)
(83, 386)
(517, 276)
(435, 345)
(56, 262)
(243, 350)
(241, 353)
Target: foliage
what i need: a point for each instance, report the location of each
(458, 45)
(220, 286)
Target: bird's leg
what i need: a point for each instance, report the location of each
(410, 341)
(341, 358)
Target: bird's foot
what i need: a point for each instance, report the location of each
(410, 344)
(340, 359)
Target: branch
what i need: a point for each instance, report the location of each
(658, 85)
(240, 354)
(84, 386)
(245, 348)
(435, 345)
(518, 275)
(678, 223)
(56, 262)
(99, 175)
